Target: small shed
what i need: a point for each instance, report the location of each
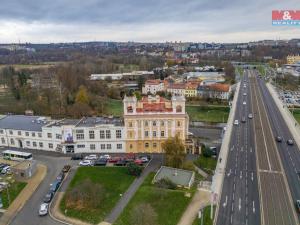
(180, 177)
(24, 170)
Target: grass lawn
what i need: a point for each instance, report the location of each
(216, 114)
(114, 180)
(114, 107)
(14, 191)
(208, 164)
(261, 70)
(168, 205)
(296, 114)
(206, 217)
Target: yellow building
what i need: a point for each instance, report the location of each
(292, 59)
(191, 90)
(150, 121)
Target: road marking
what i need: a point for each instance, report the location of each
(231, 219)
(233, 186)
(233, 196)
(242, 148)
(240, 202)
(241, 174)
(225, 203)
(252, 176)
(253, 207)
(250, 149)
(232, 148)
(228, 174)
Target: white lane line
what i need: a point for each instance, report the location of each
(228, 174)
(241, 174)
(250, 149)
(233, 196)
(232, 148)
(252, 176)
(253, 207)
(240, 204)
(242, 148)
(233, 186)
(231, 219)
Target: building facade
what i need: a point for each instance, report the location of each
(153, 86)
(150, 121)
(293, 59)
(92, 134)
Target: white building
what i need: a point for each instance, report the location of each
(90, 135)
(119, 76)
(153, 86)
(177, 89)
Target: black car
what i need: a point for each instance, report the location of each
(77, 157)
(290, 142)
(298, 206)
(60, 177)
(100, 162)
(48, 197)
(243, 119)
(121, 163)
(279, 139)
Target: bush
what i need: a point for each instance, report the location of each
(134, 169)
(207, 152)
(166, 183)
(188, 165)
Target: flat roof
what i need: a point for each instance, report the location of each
(22, 122)
(178, 176)
(95, 121)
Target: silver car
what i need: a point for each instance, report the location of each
(43, 210)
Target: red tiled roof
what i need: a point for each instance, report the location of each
(177, 86)
(220, 87)
(153, 82)
(154, 105)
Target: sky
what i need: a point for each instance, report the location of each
(49, 21)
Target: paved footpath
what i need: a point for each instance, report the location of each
(152, 166)
(25, 194)
(199, 201)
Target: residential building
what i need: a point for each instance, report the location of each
(219, 91)
(153, 86)
(118, 76)
(177, 89)
(150, 121)
(191, 89)
(293, 59)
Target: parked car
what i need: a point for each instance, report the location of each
(236, 122)
(100, 162)
(114, 159)
(91, 157)
(77, 157)
(144, 159)
(121, 162)
(138, 162)
(278, 139)
(298, 205)
(250, 116)
(43, 210)
(54, 186)
(66, 168)
(290, 142)
(5, 170)
(105, 156)
(85, 163)
(48, 197)
(60, 177)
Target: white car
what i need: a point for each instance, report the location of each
(105, 157)
(86, 163)
(250, 116)
(245, 94)
(244, 103)
(91, 157)
(5, 170)
(43, 210)
(236, 122)
(144, 159)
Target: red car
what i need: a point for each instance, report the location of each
(114, 159)
(138, 162)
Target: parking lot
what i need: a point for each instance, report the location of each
(291, 98)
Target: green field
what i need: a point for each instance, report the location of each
(216, 114)
(114, 107)
(206, 217)
(296, 114)
(168, 205)
(13, 191)
(208, 164)
(115, 182)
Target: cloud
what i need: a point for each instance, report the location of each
(139, 20)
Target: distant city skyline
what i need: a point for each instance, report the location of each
(142, 21)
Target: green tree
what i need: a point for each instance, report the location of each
(141, 82)
(134, 169)
(82, 95)
(175, 151)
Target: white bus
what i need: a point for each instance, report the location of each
(16, 155)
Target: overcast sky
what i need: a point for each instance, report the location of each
(46, 21)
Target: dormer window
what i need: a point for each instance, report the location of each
(129, 109)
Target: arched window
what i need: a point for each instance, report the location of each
(178, 108)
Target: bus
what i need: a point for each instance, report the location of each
(16, 155)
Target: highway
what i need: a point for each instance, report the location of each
(290, 155)
(240, 196)
(277, 207)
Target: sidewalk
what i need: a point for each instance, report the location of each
(199, 201)
(25, 194)
(286, 114)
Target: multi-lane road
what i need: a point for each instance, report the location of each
(240, 199)
(261, 182)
